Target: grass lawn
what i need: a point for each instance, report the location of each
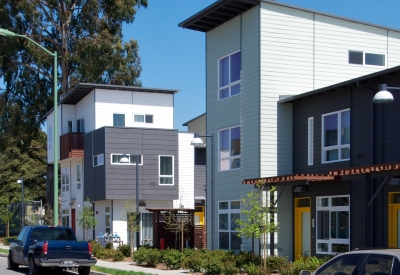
(113, 271)
(4, 250)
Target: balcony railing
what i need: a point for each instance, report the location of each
(71, 145)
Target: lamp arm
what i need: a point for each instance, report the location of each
(393, 88)
(36, 43)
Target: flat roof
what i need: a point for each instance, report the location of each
(222, 11)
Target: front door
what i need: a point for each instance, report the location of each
(73, 219)
(302, 228)
(394, 220)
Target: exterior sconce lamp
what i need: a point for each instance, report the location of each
(384, 96)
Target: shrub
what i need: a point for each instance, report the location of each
(229, 268)
(213, 266)
(125, 250)
(150, 256)
(139, 256)
(96, 246)
(109, 245)
(117, 256)
(276, 263)
(252, 269)
(310, 263)
(172, 258)
(244, 258)
(105, 253)
(6, 240)
(193, 260)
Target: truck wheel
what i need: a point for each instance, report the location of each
(85, 270)
(33, 268)
(10, 263)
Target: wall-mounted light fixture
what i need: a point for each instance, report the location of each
(384, 96)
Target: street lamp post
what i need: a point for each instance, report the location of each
(125, 159)
(21, 181)
(55, 143)
(197, 141)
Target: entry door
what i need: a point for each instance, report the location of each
(73, 219)
(394, 220)
(302, 227)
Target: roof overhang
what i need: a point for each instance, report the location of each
(297, 179)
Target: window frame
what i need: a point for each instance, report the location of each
(364, 54)
(80, 125)
(230, 83)
(78, 176)
(310, 141)
(145, 117)
(230, 158)
(107, 217)
(229, 212)
(97, 163)
(50, 137)
(166, 176)
(339, 145)
(65, 179)
(116, 118)
(129, 157)
(330, 241)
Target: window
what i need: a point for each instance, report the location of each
(364, 58)
(50, 138)
(229, 149)
(65, 217)
(333, 224)
(80, 125)
(228, 214)
(229, 75)
(107, 219)
(166, 170)
(65, 179)
(336, 136)
(116, 158)
(78, 176)
(98, 160)
(310, 141)
(69, 126)
(119, 120)
(143, 118)
(147, 229)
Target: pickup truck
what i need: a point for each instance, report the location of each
(50, 247)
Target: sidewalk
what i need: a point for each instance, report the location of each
(124, 266)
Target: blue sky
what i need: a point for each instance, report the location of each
(174, 58)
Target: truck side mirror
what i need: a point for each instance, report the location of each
(305, 272)
(11, 240)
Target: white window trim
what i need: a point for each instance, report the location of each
(366, 65)
(98, 164)
(144, 118)
(129, 157)
(310, 151)
(124, 119)
(78, 181)
(230, 83)
(65, 181)
(330, 208)
(228, 211)
(230, 156)
(339, 146)
(166, 176)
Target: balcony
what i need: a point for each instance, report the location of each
(71, 145)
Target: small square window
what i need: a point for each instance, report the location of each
(138, 118)
(119, 120)
(149, 118)
(356, 57)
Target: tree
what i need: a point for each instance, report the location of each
(87, 36)
(257, 216)
(87, 220)
(132, 221)
(7, 214)
(178, 221)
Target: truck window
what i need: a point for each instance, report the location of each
(51, 233)
(23, 233)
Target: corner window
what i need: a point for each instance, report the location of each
(166, 170)
(143, 118)
(119, 120)
(229, 149)
(333, 224)
(336, 136)
(98, 160)
(228, 214)
(116, 159)
(229, 75)
(365, 58)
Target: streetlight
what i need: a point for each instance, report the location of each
(197, 141)
(12, 34)
(384, 96)
(125, 159)
(21, 181)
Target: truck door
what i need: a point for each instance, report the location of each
(18, 246)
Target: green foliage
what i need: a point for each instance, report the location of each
(193, 260)
(117, 255)
(109, 245)
(309, 263)
(252, 269)
(274, 263)
(86, 219)
(229, 268)
(244, 258)
(125, 250)
(131, 221)
(148, 256)
(96, 247)
(6, 240)
(172, 258)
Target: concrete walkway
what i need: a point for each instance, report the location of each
(128, 266)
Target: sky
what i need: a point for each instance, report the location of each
(174, 58)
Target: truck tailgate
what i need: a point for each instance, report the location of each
(68, 250)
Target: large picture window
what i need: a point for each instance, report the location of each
(333, 224)
(228, 214)
(229, 149)
(229, 75)
(336, 136)
(166, 170)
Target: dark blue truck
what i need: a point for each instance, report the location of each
(50, 247)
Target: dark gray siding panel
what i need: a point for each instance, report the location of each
(151, 143)
(200, 173)
(94, 185)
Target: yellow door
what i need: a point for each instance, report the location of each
(394, 220)
(302, 227)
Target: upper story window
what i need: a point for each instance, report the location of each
(80, 125)
(336, 136)
(365, 58)
(143, 118)
(119, 120)
(310, 141)
(116, 159)
(50, 138)
(78, 176)
(69, 126)
(166, 170)
(229, 75)
(98, 160)
(229, 149)
(65, 179)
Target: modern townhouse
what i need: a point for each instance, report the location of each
(104, 131)
(257, 51)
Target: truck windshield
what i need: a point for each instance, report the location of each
(52, 233)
